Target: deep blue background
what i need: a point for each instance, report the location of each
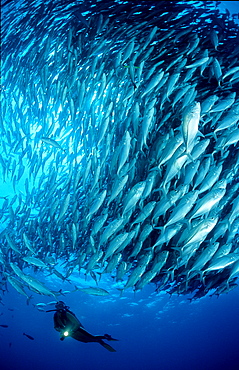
(154, 332)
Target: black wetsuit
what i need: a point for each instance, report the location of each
(66, 322)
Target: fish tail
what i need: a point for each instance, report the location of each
(121, 291)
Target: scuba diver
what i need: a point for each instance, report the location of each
(68, 325)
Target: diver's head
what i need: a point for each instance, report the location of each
(60, 305)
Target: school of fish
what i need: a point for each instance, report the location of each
(119, 145)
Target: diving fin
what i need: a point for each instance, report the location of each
(107, 346)
(109, 337)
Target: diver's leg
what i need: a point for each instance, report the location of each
(84, 336)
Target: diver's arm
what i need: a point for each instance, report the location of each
(58, 325)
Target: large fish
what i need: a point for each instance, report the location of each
(190, 122)
(94, 291)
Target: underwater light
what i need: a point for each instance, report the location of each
(66, 333)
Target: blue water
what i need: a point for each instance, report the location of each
(154, 332)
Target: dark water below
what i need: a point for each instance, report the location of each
(154, 333)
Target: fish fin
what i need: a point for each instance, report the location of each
(161, 228)
(211, 134)
(200, 134)
(189, 155)
(170, 274)
(177, 248)
(121, 291)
